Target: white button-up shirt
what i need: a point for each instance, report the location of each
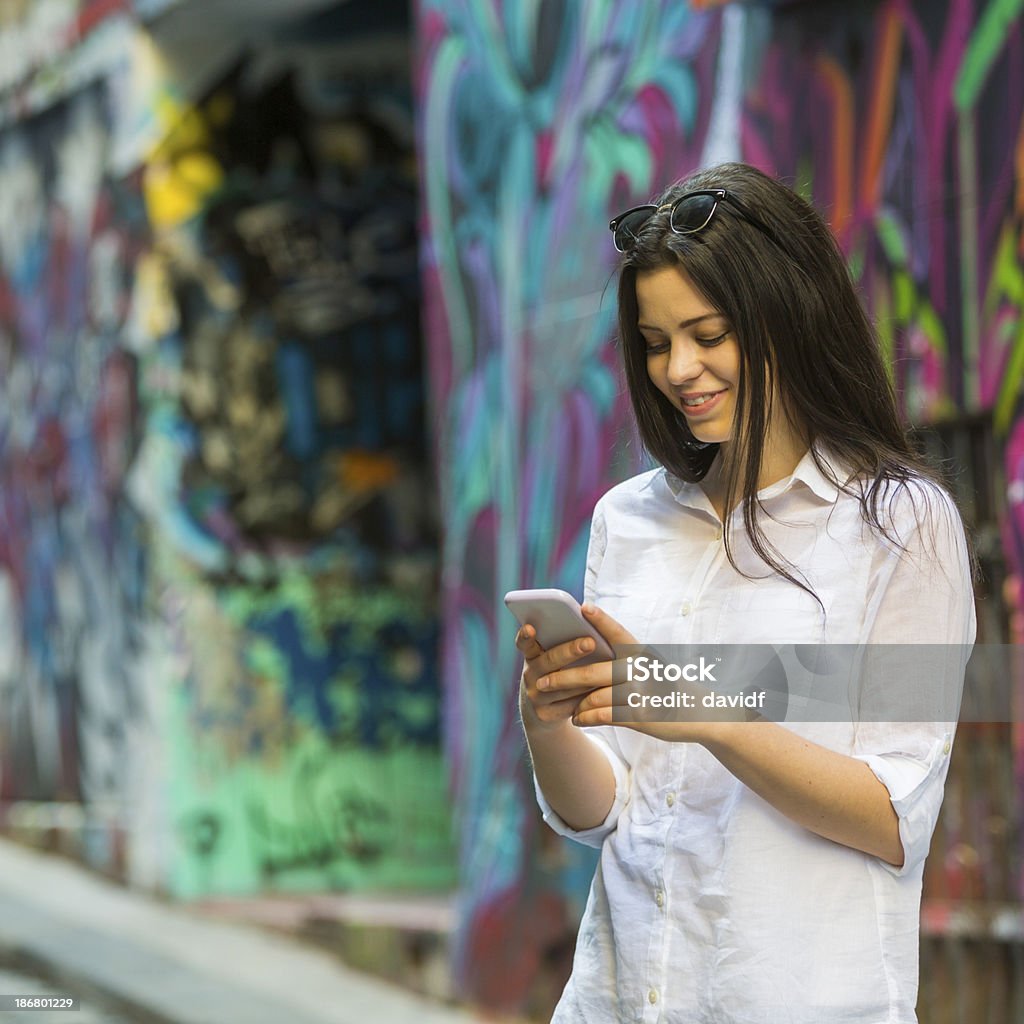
(708, 905)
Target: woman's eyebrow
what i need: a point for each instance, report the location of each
(686, 323)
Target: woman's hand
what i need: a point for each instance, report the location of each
(551, 692)
(549, 689)
(606, 704)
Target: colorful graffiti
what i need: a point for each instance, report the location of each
(52, 49)
(902, 121)
(71, 554)
(895, 138)
(219, 532)
(35, 35)
(284, 463)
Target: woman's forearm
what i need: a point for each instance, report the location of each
(831, 794)
(574, 776)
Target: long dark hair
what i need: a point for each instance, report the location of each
(784, 287)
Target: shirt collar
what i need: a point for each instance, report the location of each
(806, 472)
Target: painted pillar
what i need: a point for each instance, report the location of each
(536, 123)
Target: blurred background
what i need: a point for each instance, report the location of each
(306, 357)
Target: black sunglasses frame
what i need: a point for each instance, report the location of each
(719, 195)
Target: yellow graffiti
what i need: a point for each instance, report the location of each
(153, 299)
(181, 173)
(175, 191)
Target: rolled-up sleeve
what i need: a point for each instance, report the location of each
(923, 595)
(592, 836)
(916, 784)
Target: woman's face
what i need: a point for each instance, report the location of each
(693, 357)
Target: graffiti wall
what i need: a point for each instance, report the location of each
(219, 531)
(51, 49)
(902, 121)
(71, 556)
(907, 132)
(284, 463)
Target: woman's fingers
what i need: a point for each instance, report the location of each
(557, 657)
(597, 707)
(526, 642)
(553, 712)
(564, 680)
(614, 632)
(562, 656)
(550, 685)
(540, 662)
(551, 688)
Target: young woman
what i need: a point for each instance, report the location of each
(751, 872)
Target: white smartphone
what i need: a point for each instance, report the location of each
(557, 618)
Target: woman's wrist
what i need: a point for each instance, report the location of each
(533, 725)
(725, 734)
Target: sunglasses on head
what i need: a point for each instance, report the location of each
(690, 214)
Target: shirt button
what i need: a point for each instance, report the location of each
(945, 747)
(659, 898)
(685, 608)
(670, 799)
(718, 534)
(652, 996)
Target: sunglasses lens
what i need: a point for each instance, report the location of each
(628, 227)
(693, 213)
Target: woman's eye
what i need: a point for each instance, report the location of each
(711, 342)
(655, 348)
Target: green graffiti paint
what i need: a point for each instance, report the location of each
(320, 818)
(986, 46)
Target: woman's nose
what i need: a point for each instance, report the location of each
(684, 362)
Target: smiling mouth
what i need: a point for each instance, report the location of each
(700, 399)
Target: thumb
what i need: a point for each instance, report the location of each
(614, 632)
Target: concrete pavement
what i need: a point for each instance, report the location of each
(175, 967)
